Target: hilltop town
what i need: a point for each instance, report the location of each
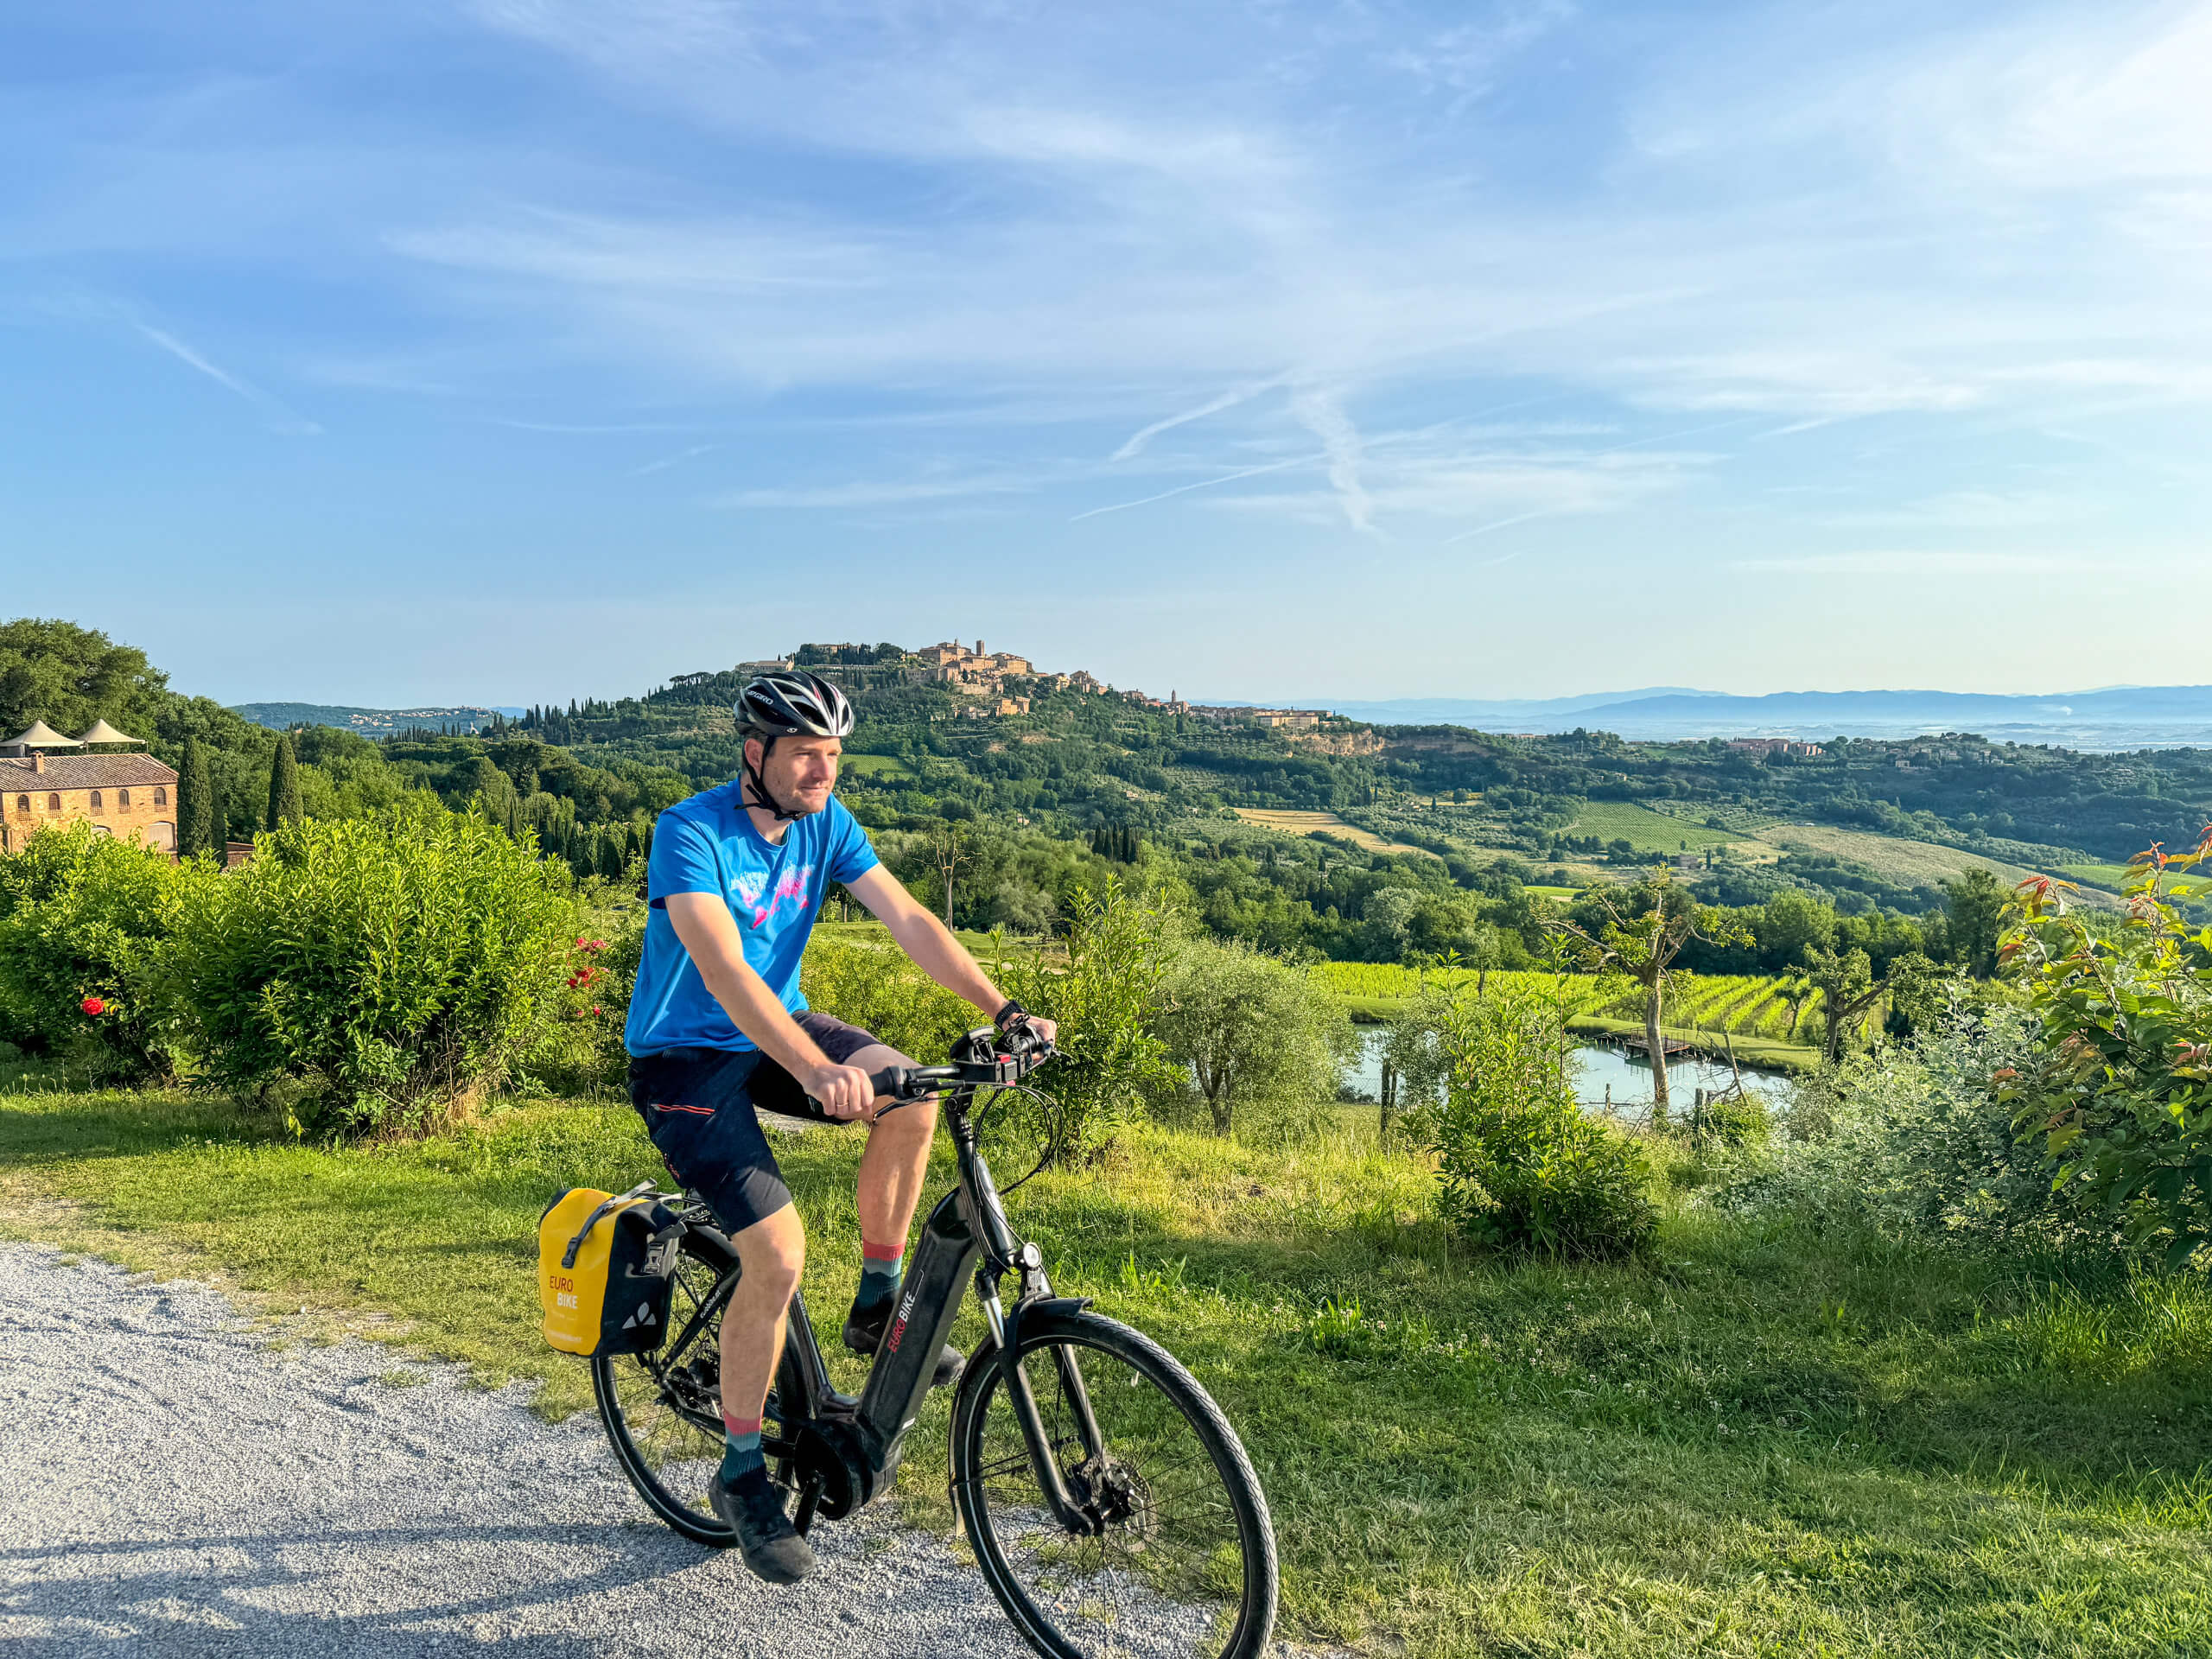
(999, 682)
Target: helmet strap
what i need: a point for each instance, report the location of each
(759, 784)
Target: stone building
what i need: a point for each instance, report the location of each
(132, 796)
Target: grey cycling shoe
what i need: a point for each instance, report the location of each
(754, 1509)
(864, 1328)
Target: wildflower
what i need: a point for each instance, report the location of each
(94, 1006)
(594, 1012)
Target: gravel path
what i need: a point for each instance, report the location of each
(170, 1482)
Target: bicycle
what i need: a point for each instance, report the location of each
(1106, 1500)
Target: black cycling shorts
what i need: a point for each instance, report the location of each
(701, 1107)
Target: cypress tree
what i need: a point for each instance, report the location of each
(283, 785)
(610, 855)
(218, 818)
(195, 818)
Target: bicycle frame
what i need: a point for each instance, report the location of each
(842, 1451)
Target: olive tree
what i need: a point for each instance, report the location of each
(1253, 1033)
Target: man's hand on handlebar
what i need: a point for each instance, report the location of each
(1013, 1022)
(843, 1091)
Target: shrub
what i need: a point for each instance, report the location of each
(1915, 1140)
(391, 966)
(84, 922)
(2121, 1098)
(1106, 997)
(578, 1050)
(1253, 1035)
(877, 988)
(1522, 1166)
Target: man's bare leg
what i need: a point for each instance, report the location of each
(897, 1159)
(771, 1253)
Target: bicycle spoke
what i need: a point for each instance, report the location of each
(1165, 1571)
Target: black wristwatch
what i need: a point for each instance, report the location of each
(1012, 1013)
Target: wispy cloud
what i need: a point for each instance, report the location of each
(1320, 413)
(1922, 562)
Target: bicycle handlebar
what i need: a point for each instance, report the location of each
(907, 1084)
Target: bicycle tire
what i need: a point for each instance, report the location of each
(661, 1410)
(1046, 1577)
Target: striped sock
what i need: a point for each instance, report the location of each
(883, 1267)
(742, 1457)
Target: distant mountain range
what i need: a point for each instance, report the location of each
(370, 722)
(2115, 717)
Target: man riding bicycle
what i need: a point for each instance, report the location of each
(718, 1031)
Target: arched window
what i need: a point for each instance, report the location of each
(53, 802)
(161, 796)
(97, 807)
(123, 800)
(23, 803)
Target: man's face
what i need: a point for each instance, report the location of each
(800, 772)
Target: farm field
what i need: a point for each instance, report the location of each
(1323, 823)
(1912, 863)
(875, 765)
(1778, 1013)
(1644, 829)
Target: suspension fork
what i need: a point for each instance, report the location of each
(1003, 1254)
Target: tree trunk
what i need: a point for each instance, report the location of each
(1656, 1045)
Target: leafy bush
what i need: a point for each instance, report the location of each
(578, 1049)
(391, 966)
(1522, 1166)
(1915, 1140)
(877, 988)
(2121, 1098)
(84, 922)
(1255, 1036)
(1106, 997)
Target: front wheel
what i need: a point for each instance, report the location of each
(1176, 1555)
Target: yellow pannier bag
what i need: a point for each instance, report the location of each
(604, 1264)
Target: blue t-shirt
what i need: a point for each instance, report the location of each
(707, 844)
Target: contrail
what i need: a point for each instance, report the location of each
(1227, 400)
(1517, 518)
(1204, 484)
(293, 422)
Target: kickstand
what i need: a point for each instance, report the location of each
(810, 1498)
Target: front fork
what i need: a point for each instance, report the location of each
(1044, 1462)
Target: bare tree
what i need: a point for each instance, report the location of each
(1640, 938)
(949, 844)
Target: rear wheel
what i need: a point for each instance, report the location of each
(1175, 1554)
(662, 1411)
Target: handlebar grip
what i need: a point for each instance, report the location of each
(892, 1080)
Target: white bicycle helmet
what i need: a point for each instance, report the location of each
(788, 703)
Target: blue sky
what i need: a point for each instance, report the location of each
(530, 348)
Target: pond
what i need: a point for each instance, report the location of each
(1604, 1075)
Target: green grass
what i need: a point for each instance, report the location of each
(1644, 829)
(1759, 1442)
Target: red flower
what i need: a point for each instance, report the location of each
(594, 1012)
(94, 1006)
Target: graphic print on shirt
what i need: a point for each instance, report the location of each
(752, 887)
